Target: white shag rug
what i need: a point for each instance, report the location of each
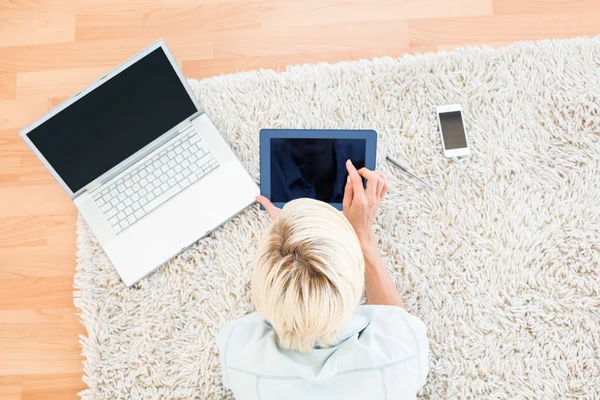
(502, 265)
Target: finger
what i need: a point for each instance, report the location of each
(357, 185)
(271, 209)
(384, 185)
(372, 181)
(348, 194)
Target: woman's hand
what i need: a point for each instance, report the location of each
(360, 204)
(271, 209)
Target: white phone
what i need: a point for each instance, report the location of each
(452, 130)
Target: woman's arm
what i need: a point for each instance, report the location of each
(360, 208)
(378, 282)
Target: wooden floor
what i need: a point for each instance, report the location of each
(50, 49)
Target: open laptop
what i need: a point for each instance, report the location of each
(146, 168)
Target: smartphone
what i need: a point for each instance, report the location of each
(452, 130)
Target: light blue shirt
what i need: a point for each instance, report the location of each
(382, 354)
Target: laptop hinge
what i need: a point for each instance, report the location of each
(92, 188)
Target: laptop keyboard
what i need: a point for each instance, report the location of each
(156, 180)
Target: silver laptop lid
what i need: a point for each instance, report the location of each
(104, 128)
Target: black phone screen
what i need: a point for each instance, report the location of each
(453, 130)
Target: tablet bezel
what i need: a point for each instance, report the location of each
(370, 137)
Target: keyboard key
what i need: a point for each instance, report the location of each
(164, 159)
(179, 158)
(143, 182)
(178, 177)
(128, 183)
(193, 167)
(157, 192)
(122, 196)
(171, 182)
(139, 213)
(143, 172)
(194, 139)
(129, 192)
(135, 206)
(110, 213)
(128, 201)
(161, 199)
(152, 177)
(186, 172)
(121, 216)
(114, 202)
(143, 192)
(193, 158)
(120, 207)
(149, 187)
(100, 201)
(185, 163)
(170, 173)
(165, 167)
(113, 221)
(172, 163)
(105, 207)
(186, 182)
(150, 196)
(164, 178)
(136, 187)
(164, 187)
(150, 168)
(135, 197)
(124, 225)
(135, 178)
(178, 168)
(186, 153)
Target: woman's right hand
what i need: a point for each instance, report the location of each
(360, 205)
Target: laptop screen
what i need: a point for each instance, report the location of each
(114, 121)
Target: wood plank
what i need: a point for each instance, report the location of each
(27, 27)
(504, 28)
(543, 6)
(154, 22)
(78, 6)
(47, 199)
(92, 53)
(23, 231)
(57, 83)
(39, 316)
(326, 12)
(313, 39)
(38, 262)
(199, 69)
(10, 387)
(8, 86)
(11, 145)
(9, 167)
(18, 113)
(24, 293)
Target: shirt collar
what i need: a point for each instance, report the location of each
(356, 325)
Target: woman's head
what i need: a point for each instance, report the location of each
(308, 274)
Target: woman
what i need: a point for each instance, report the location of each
(310, 338)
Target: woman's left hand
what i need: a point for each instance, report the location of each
(271, 209)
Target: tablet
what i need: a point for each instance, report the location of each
(297, 163)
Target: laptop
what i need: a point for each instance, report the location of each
(143, 163)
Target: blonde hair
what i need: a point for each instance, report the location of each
(308, 275)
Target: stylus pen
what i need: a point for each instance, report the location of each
(405, 169)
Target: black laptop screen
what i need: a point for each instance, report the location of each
(114, 121)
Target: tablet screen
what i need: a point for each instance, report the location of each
(314, 168)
